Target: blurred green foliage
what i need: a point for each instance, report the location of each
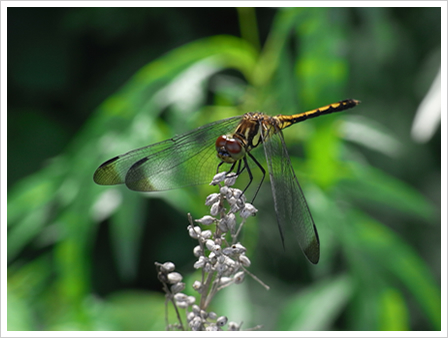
(80, 256)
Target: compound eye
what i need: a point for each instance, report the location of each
(221, 141)
(233, 146)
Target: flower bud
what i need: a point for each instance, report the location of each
(221, 321)
(206, 220)
(244, 260)
(211, 199)
(178, 287)
(249, 210)
(174, 277)
(167, 267)
(239, 277)
(218, 178)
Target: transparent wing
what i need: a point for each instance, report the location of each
(289, 201)
(184, 160)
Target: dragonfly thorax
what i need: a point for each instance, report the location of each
(230, 149)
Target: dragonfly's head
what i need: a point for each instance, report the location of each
(229, 149)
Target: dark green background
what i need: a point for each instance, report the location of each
(64, 62)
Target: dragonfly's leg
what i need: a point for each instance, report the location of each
(250, 174)
(229, 173)
(246, 166)
(221, 163)
(238, 171)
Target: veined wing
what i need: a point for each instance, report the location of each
(184, 160)
(289, 201)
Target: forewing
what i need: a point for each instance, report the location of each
(290, 204)
(184, 160)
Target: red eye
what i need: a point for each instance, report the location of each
(233, 146)
(221, 141)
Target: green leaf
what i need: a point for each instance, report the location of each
(127, 226)
(20, 317)
(393, 313)
(317, 307)
(374, 186)
(139, 311)
(383, 249)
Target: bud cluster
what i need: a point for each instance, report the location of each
(222, 262)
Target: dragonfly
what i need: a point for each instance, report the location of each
(191, 158)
